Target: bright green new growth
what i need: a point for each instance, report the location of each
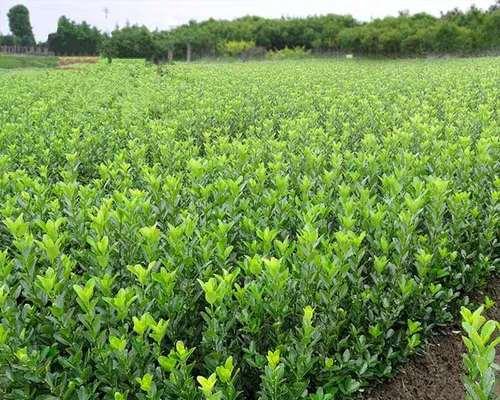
(277, 231)
(479, 361)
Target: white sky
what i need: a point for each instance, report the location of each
(164, 14)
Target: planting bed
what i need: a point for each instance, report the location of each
(437, 373)
(273, 230)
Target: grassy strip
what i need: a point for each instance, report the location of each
(8, 61)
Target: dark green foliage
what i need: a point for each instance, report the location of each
(455, 32)
(7, 40)
(74, 39)
(20, 25)
(130, 42)
(490, 29)
(449, 37)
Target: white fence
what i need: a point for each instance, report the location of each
(30, 50)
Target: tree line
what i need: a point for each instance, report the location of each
(472, 31)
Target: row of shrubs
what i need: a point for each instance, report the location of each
(277, 231)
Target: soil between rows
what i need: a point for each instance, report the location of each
(437, 373)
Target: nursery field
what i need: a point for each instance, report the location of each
(273, 230)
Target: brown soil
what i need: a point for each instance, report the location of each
(437, 374)
(64, 61)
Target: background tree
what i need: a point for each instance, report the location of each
(234, 48)
(490, 30)
(7, 40)
(72, 38)
(451, 38)
(163, 46)
(189, 37)
(457, 31)
(130, 42)
(495, 6)
(20, 26)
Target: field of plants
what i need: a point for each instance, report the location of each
(273, 230)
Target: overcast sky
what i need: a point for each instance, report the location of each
(164, 14)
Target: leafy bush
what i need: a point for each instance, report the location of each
(7, 40)
(450, 38)
(421, 42)
(235, 48)
(295, 53)
(72, 38)
(130, 42)
(479, 360)
(256, 230)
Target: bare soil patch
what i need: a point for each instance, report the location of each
(67, 62)
(437, 374)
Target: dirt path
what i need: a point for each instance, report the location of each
(436, 375)
(74, 63)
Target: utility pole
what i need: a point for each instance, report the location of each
(105, 10)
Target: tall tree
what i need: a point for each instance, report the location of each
(20, 26)
(72, 38)
(131, 41)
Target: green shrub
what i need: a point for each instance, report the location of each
(247, 230)
(234, 48)
(295, 53)
(451, 38)
(479, 361)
